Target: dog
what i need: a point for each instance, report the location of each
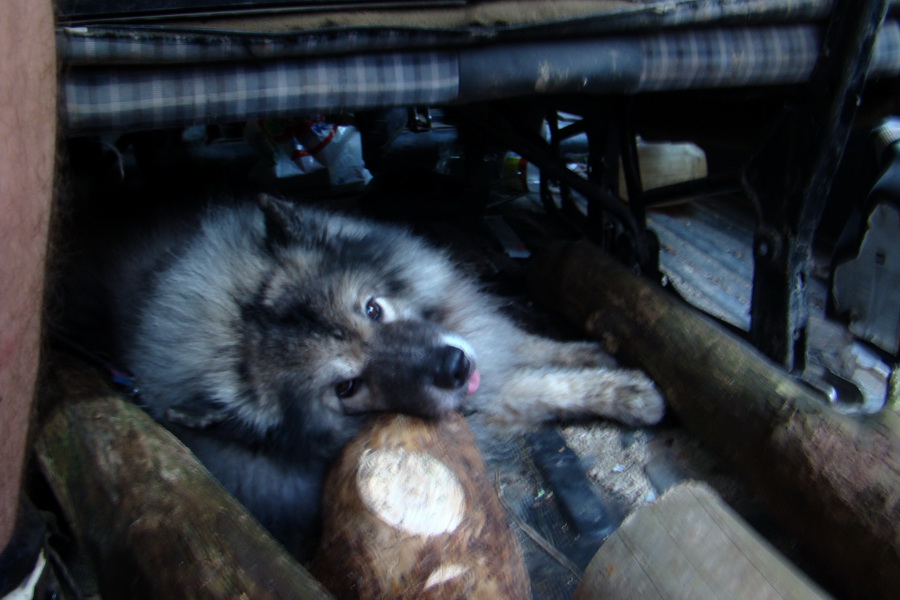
(264, 334)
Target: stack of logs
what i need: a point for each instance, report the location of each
(832, 481)
(411, 511)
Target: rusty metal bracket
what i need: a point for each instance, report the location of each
(790, 192)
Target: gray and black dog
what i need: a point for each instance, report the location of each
(264, 333)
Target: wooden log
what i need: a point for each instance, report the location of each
(833, 481)
(153, 520)
(690, 545)
(410, 513)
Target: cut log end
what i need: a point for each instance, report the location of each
(411, 491)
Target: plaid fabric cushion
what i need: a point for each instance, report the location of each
(729, 58)
(179, 81)
(122, 98)
(112, 45)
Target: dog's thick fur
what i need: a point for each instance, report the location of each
(264, 336)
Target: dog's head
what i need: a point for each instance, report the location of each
(344, 318)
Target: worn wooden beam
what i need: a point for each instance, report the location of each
(834, 481)
(154, 522)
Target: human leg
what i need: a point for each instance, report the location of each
(27, 157)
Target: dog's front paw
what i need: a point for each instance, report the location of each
(638, 403)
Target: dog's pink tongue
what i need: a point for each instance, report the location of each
(474, 381)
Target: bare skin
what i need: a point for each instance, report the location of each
(27, 155)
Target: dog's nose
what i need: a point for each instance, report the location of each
(453, 368)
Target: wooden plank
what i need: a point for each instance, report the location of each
(689, 545)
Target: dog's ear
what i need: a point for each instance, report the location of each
(280, 219)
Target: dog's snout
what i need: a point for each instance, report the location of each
(453, 368)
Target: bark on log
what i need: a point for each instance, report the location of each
(689, 544)
(834, 481)
(154, 522)
(410, 513)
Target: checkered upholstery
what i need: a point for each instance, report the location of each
(116, 82)
(132, 97)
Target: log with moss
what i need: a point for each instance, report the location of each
(154, 522)
(832, 480)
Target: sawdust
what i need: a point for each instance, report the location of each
(614, 457)
(618, 459)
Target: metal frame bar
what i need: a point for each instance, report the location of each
(790, 194)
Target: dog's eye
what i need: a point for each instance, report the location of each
(374, 310)
(346, 388)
